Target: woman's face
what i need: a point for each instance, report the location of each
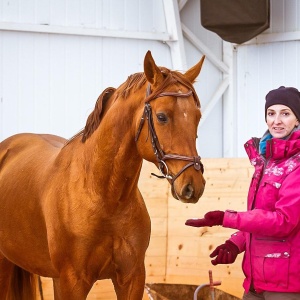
(281, 120)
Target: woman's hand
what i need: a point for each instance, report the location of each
(225, 253)
(212, 218)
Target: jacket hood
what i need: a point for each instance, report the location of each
(286, 147)
(279, 148)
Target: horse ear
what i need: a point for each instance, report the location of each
(194, 71)
(151, 70)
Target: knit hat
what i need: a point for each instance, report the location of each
(288, 96)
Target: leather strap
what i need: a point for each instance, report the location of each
(161, 157)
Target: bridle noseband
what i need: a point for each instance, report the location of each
(161, 157)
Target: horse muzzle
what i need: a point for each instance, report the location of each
(188, 192)
(187, 185)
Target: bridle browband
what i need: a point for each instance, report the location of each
(159, 153)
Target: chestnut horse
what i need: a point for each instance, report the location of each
(72, 211)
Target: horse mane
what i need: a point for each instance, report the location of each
(137, 80)
(133, 83)
(93, 121)
(172, 77)
(95, 116)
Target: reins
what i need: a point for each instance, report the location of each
(161, 157)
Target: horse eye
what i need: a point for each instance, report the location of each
(162, 118)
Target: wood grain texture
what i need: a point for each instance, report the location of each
(179, 254)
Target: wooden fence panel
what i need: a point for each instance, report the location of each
(178, 253)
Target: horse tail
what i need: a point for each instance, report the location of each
(22, 285)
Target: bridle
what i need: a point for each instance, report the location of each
(161, 157)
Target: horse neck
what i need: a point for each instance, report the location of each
(111, 153)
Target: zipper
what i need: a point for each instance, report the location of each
(270, 239)
(265, 162)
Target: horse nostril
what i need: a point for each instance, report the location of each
(188, 191)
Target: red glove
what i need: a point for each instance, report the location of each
(225, 253)
(212, 218)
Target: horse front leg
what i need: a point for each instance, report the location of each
(130, 287)
(6, 270)
(68, 287)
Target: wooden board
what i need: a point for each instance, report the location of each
(180, 254)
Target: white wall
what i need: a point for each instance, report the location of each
(50, 82)
(209, 143)
(266, 63)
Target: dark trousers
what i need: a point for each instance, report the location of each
(271, 296)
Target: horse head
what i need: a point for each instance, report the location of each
(172, 113)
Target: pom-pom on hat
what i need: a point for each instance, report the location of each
(288, 96)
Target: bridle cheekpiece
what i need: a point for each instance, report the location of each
(161, 157)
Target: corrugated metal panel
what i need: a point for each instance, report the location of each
(263, 67)
(66, 73)
(112, 14)
(50, 82)
(209, 142)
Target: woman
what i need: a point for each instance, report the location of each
(269, 231)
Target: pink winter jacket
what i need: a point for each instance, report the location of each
(269, 232)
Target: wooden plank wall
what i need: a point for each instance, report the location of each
(180, 254)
